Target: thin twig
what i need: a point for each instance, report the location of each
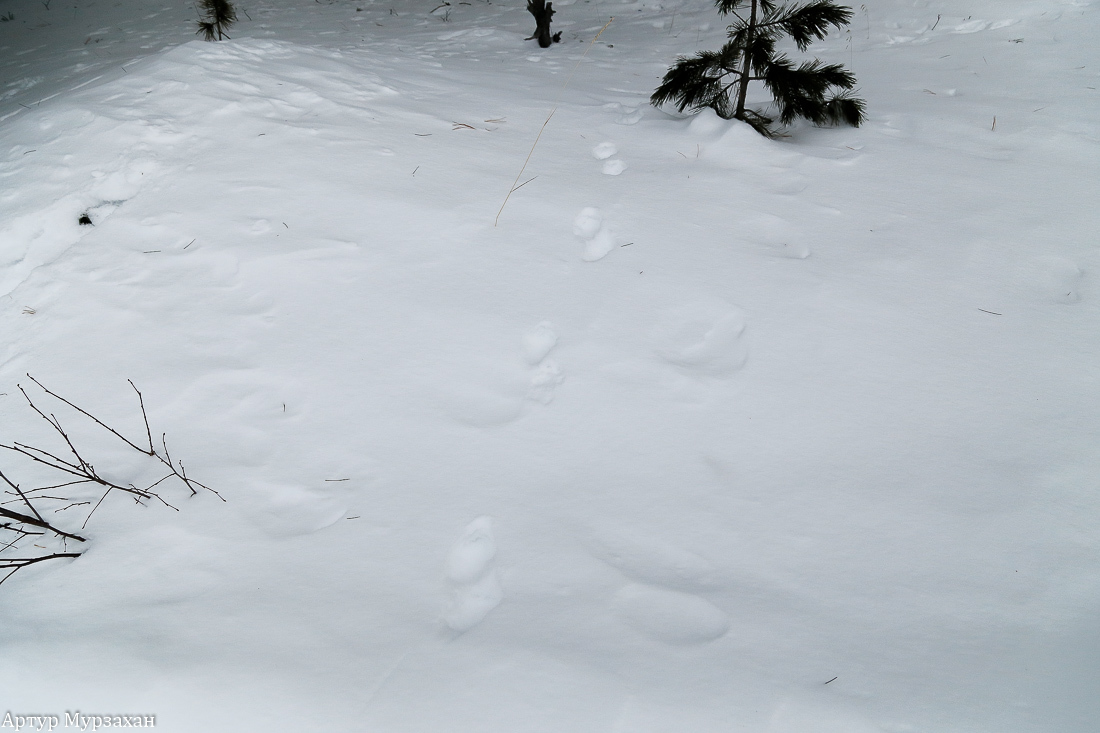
(88, 518)
(27, 519)
(547, 122)
(524, 183)
(70, 506)
(66, 467)
(22, 496)
(20, 562)
(58, 486)
(95, 419)
(88, 474)
(52, 420)
(145, 417)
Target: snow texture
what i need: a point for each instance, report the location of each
(776, 436)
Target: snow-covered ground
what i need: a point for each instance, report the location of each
(708, 433)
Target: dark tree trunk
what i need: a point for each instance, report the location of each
(746, 68)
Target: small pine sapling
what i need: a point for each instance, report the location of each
(219, 16)
(820, 93)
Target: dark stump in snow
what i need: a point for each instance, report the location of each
(543, 12)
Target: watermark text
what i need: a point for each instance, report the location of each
(75, 720)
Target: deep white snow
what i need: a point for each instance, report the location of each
(708, 433)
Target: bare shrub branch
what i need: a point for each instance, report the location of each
(77, 471)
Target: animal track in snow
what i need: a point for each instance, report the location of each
(660, 600)
(624, 115)
(643, 559)
(704, 336)
(260, 226)
(289, 510)
(495, 388)
(588, 223)
(539, 342)
(589, 227)
(613, 167)
(547, 378)
(604, 150)
(669, 616)
(775, 234)
(471, 572)
(537, 345)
